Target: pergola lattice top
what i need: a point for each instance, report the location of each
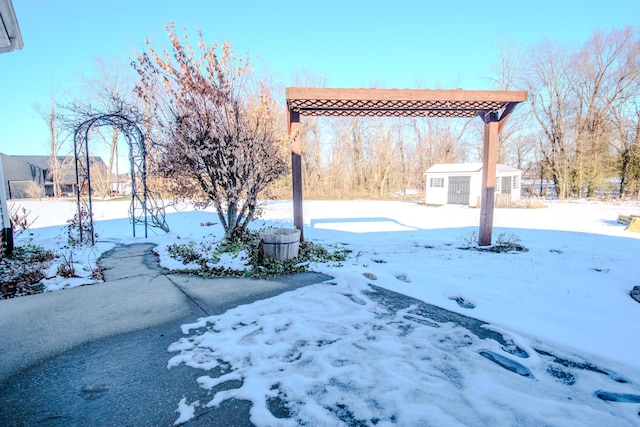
(398, 102)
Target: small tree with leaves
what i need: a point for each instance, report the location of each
(220, 139)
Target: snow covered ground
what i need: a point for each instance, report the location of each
(340, 351)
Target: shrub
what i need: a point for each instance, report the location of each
(79, 228)
(469, 239)
(20, 219)
(508, 242)
(507, 239)
(504, 242)
(66, 268)
(263, 266)
(531, 203)
(259, 265)
(21, 272)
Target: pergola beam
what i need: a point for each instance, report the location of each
(384, 95)
(493, 107)
(508, 109)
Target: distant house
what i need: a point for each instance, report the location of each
(41, 166)
(21, 179)
(67, 169)
(461, 184)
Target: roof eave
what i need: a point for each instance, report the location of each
(10, 35)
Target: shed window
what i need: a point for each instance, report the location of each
(516, 181)
(437, 182)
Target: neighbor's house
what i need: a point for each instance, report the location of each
(21, 179)
(461, 184)
(67, 172)
(29, 171)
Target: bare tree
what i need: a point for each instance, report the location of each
(356, 144)
(100, 180)
(628, 132)
(384, 150)
(49, 115)
(582, 99)
(112, 80)
(312, 155)
(606, 68)
(515, 146)
(221, 135)
(625, 142)
(548, 77)
(54, 165)
(339, 174)
(443, 140)
(618, 55)
(311, 135)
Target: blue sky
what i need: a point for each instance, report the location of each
(404, 44)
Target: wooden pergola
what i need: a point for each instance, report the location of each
(493, 108)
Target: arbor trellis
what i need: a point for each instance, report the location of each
(145, 207)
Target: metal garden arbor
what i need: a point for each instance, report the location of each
(145, 208)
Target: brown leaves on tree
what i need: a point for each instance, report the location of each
(219, 138)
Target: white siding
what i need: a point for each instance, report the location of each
(436, 195)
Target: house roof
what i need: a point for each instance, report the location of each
(467, 167)
(40, 161)
(43, 161)
(16, 160)
(68, 174)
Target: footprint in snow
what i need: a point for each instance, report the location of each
(355, 299)
(403, 278)
(617, 397)
(463, 303)
(506, 363)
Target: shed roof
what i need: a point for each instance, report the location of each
(467, 167)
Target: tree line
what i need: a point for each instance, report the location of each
(580, 129)
(586, 105)
(577, 136)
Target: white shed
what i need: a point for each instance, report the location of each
(461, 184)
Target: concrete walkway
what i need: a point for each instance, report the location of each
(97, 355)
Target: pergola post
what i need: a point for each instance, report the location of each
(296, 169)
(489, 159)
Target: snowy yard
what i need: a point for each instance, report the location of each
(556, 341)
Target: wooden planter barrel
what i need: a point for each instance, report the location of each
(281, 243)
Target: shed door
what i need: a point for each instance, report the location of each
(459, 190)
(506, 185)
